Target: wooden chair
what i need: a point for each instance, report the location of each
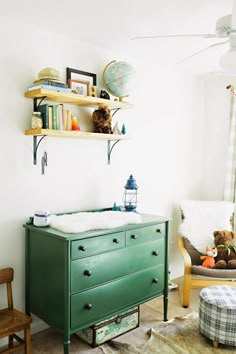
(11, 320)
(196, 276)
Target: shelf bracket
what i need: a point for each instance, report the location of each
(109, 150)
(36, 144)
(36, 104)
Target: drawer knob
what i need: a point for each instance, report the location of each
(155, 280)
(155, 253)
(158, 230)
(116, 240)
(82, 248)
(134, 236)
(87, 272)
(88, 306)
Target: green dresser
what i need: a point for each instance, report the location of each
(76, 280)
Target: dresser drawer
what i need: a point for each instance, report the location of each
(92, 305)
(99, 244)
(94, 270)
(144, 234)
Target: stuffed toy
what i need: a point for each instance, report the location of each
(225, 242)
(102, 120)
(208, 259)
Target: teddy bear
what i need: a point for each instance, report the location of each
(225, 242)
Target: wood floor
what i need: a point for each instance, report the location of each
(150, 313)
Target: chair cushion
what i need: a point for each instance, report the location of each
(202, 218)
(213, 273)
(193, 252)
(197, 269)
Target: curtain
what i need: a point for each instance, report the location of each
(230, 178)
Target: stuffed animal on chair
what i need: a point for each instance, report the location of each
(208, 259)
(225, 242)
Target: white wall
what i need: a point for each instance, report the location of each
(166, 154)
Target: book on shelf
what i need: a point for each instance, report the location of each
(49, 87)
(49, 117)
(54, 117)
(50, 82)
(60, 116)
(44, 111)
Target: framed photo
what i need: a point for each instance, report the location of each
(80, 87)
(79, 75)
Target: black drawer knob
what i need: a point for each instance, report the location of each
(82, 248)
(155, 280)
(88, 306)
(134, 236)
(87, 272)
(155, 253)
(158, 230)
(116, 240)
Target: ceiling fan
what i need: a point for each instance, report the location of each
(225, 29)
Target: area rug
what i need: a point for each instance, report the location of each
(180, 335)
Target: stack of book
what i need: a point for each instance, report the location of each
(49, 84)
(56, 117)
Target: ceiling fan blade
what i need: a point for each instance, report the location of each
(175, 36)
(202, 50)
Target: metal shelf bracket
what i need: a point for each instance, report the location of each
(109, 150)
(36, 144)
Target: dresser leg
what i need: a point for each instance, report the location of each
(165, 306)
(66, 345)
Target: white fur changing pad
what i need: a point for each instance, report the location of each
(84, 221)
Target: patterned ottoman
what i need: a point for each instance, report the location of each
(217, 314)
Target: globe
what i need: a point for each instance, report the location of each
(118, 78)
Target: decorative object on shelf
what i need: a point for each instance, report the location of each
(81, 76)
(93, 91)
(36, 120)
(80, 87)
(123, 130)
(51, 77)
(102, 120)
(118, 78)
(49, 73)
(104, 94)
(116, 129)
(130, 194)
(74, 124)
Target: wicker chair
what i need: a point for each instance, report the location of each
(197, 215)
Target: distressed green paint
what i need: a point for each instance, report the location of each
(122, 273)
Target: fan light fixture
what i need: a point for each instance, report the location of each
(228, 60)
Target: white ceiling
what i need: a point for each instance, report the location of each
(112, 24)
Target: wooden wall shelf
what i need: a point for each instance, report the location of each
(73, 98)
(74, 134)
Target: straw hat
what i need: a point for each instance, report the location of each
(49, 74)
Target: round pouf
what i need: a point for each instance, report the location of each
(217, 314)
